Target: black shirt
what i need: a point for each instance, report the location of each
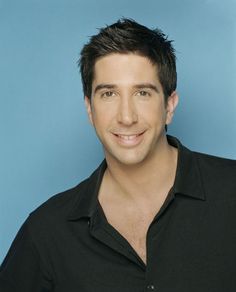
(68, 245)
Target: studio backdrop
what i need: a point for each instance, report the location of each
(47, 144)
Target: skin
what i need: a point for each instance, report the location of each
(129, 113)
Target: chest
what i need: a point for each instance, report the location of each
(133, 228)
(190, 248)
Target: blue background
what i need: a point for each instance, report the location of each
(47, 144)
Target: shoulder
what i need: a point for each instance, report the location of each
(56, 209)
(216, 165)
(59, 209)
(218, 175)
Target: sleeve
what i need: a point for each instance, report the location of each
(22, 268)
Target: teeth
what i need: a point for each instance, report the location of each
(127, 138)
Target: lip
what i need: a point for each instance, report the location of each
(128, 140)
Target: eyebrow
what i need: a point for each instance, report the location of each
(136, 86)
(147, 86)
(104, 86)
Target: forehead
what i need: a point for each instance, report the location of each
(124, 68)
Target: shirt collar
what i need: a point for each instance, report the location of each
(188, 182)
(87, 194)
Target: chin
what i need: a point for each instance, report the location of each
(128, 157)
(129, 160)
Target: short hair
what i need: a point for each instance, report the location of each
(124, 37)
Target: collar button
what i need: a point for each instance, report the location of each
(151, 287)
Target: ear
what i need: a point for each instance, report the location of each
(171, 105)
(88, 106)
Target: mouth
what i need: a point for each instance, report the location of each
(129, 139)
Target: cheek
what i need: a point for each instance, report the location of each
(153, 113)
(104, 114)
(101, 120)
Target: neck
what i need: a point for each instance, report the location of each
(143, 181)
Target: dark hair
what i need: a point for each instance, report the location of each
(127, 36)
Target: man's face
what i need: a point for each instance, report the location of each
(127, 108)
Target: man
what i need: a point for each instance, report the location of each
(154, 216)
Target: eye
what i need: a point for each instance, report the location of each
(144, 93)
(107, 94)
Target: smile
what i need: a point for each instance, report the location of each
(129, 139)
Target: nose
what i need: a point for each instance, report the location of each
(127, 114)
